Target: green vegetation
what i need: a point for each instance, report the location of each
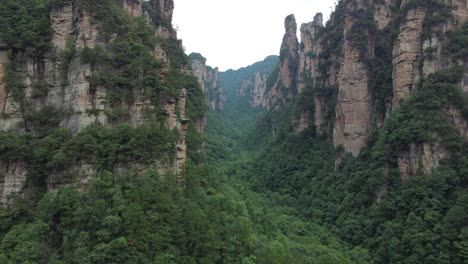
(380, 71)
(332, 39)
(457, 44)
(422, 117)
(57, 151)
(362, 30)
(25, 26)
(364, 200)
(254, 190)
(126, 216)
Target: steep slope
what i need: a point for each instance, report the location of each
(372, 139)
(208, 80)
(353, 150)
(100, 113)
(90, 77)
(353, 74)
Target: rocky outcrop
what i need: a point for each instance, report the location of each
(259, 88)
(177, 119)
(308, 54)
(62, 80)
(73, 31)
(133, 7)
(354, 99)
(422, 157)
(308, 73)
(417, 55)
(406, 54)
(319, 115)
(328, 60)
(61, 21)
(12, 180)
(457, 118)
(383, 14)
(371, 75)
(164, 9)
(285, 87)
(255, 89)
(162, 18)
(209, 82)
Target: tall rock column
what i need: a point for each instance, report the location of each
(208, 80)
(354, 102)
(308, 71)
(310, 49)
(259, 88)
(164, 10)
(406, 53)
(285, 87)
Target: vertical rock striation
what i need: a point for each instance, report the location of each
(63, 80)
(308, 54)
(12, 180)
(209, 82)
(369, 57)
(285, 86)
(406, 53)
(354, 99)
(255, 89)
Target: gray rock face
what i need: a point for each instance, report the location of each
(414, 56)
(12, 179)
(208, 80)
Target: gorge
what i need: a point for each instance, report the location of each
(351, 146)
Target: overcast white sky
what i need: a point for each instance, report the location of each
(236, 33)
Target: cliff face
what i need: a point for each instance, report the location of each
(309, 62)
(82, 80)
(255, 89)
(370, 57)
(208, 79)
(406, 52)
(354, 100)
(309, 49)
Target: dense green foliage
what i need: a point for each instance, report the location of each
(457, 45)
(364, 201)
(143, 219)
(25, 25)
(332, 39)
(422, 219)
(126, 216)
(50, 156)
(259, 197)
